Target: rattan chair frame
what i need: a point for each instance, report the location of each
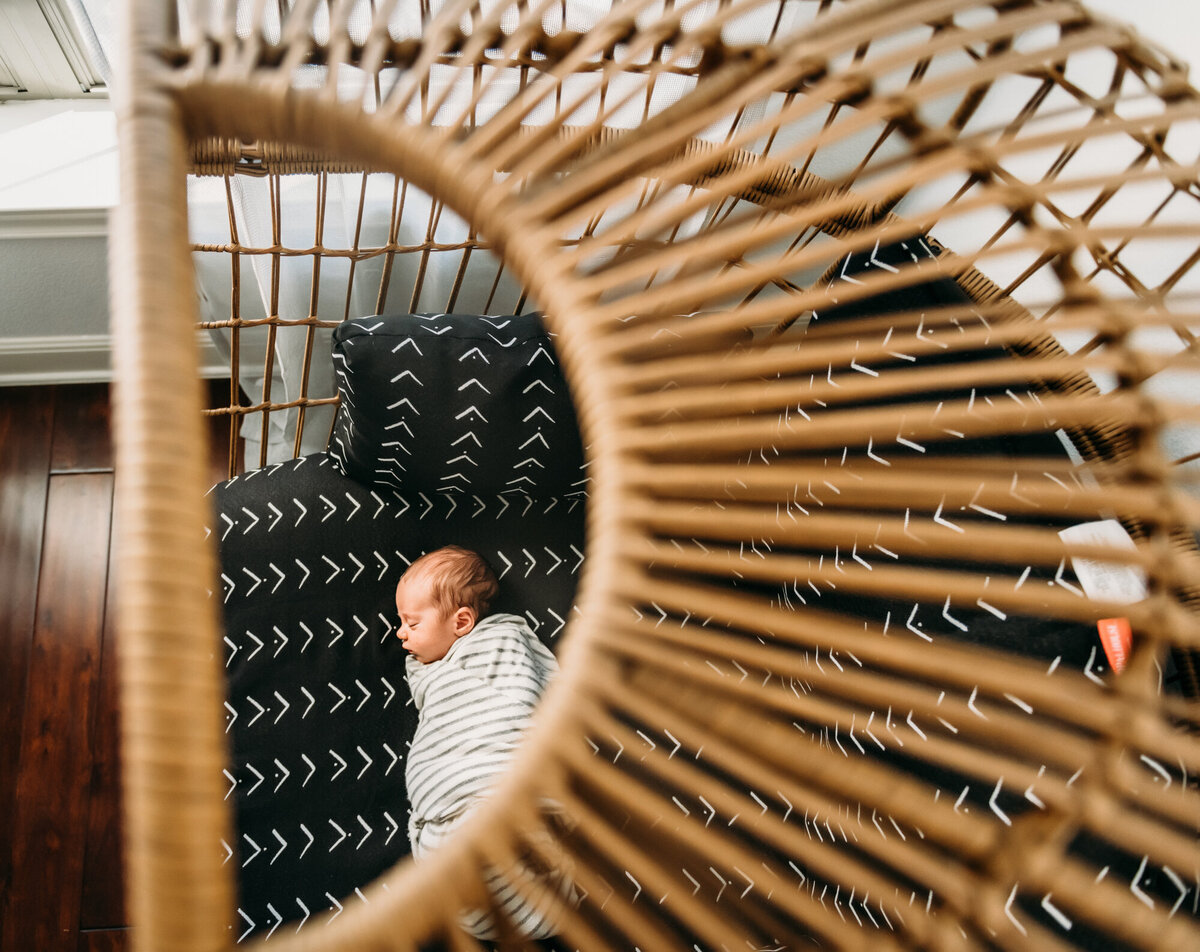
(683, 349)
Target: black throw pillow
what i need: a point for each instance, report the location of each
(455, 403)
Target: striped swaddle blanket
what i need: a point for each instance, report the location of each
(474, 706)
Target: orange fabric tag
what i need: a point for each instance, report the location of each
(1117, 638)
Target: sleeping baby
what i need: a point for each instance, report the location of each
(475, 679)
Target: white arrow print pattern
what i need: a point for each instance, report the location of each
(283, 568)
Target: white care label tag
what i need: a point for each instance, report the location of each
(1109, 581)
(1106, 581)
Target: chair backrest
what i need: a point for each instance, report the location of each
(679, 188)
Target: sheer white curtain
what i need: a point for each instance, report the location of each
(343, 282)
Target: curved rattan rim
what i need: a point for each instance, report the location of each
(307, 121)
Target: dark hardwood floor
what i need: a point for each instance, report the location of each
(61, 881)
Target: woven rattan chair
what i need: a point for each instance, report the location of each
(708, 201)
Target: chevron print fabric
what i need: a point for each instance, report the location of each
(319, 714)
(840, 582)
(1052, 640)
(455, 403)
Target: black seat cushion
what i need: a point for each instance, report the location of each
(1056, 641)
(453, 429)
(319, 715)
(318, 709)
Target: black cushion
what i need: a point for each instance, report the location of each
(1071, 644)
(455, 403)
(318, 711)
(1062, 648)
(452, 429)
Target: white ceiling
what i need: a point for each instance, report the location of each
(1172, 24)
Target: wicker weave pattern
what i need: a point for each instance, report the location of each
(677, 187)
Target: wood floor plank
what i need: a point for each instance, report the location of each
(82, 438)
(26, 419)
(104, 940)
(102, 904)
(41, 908)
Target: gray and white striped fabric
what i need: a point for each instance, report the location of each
(474, 705)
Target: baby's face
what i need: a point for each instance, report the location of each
(424, 631)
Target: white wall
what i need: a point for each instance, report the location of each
(57, 181)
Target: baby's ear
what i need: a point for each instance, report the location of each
(464, 621)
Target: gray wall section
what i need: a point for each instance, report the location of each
(52, 287)
(54, 313)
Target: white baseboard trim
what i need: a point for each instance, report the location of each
(23, 224)
(82, 358)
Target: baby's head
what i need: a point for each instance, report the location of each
(440, 598)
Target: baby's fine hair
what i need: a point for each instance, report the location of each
(457, 578)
